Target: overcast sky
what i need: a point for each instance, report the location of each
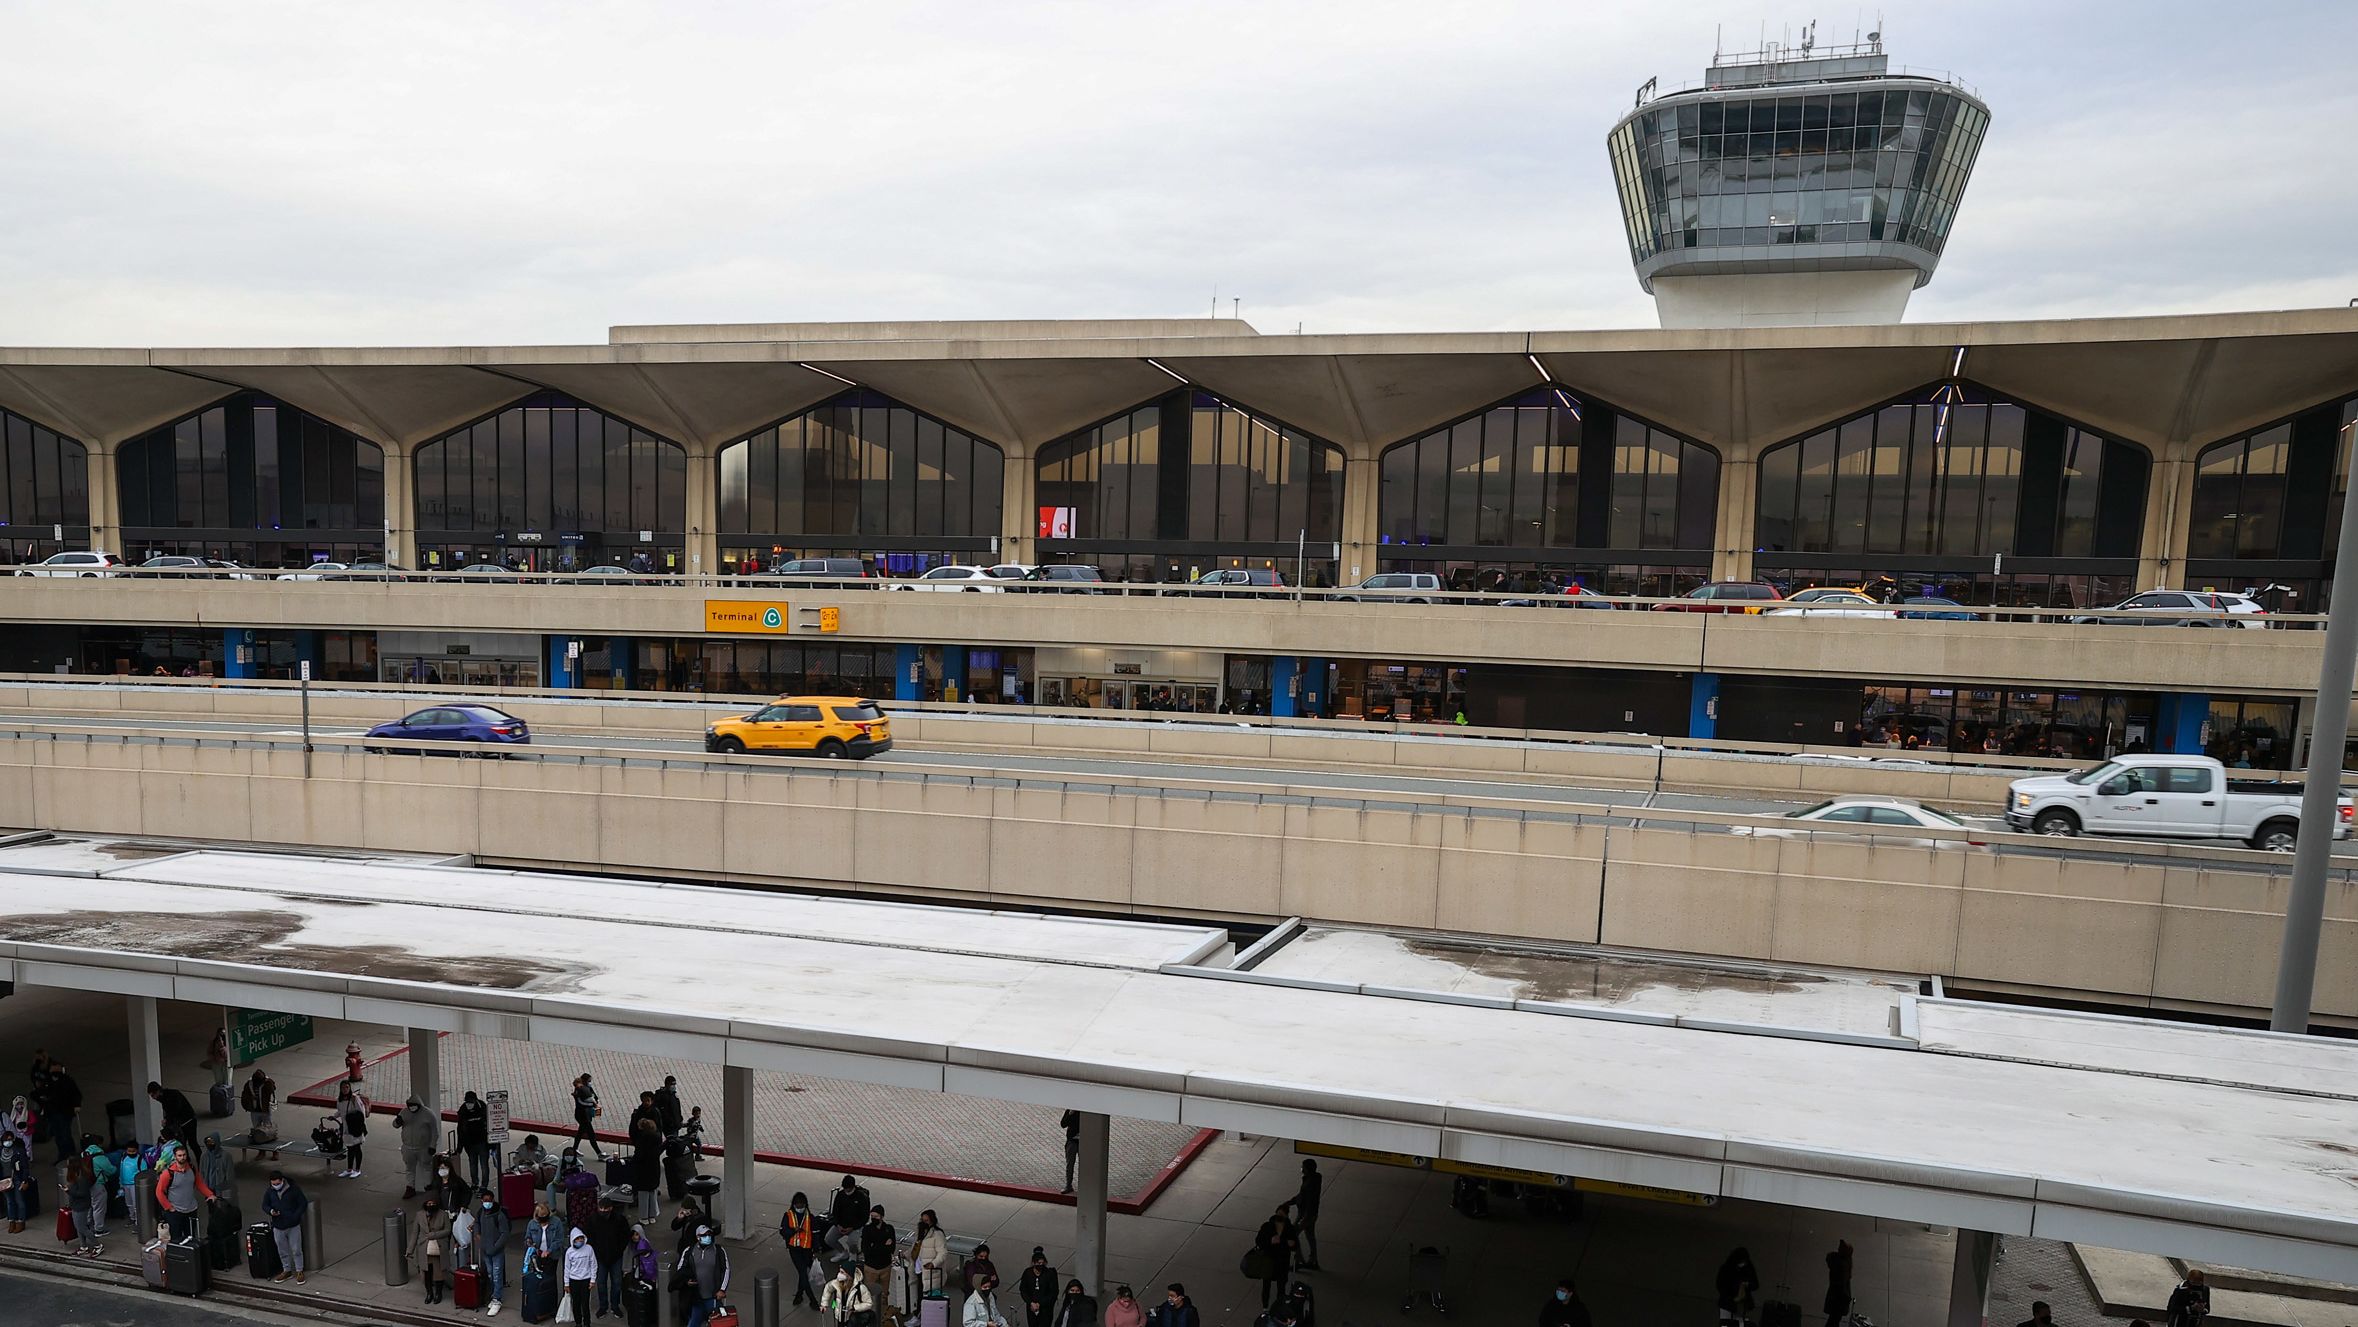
(482, 173)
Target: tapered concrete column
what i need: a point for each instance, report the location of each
(106, 507)
(1018, 509)
(736, 1195)
(1362, 487)
(703, 511)
(1089, 1195)
(1732, 542)
(401, 507)
(425, 1069)
(2169, 525)
(147, 1064)
(1969, 1279)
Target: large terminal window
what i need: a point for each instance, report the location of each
(255, 480)
(551, 484)
(44, 484)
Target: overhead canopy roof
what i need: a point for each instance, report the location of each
(2153, 381)
(2004, 1137)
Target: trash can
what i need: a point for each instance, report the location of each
(122, 1123)
(704, 1188)
(397, 1247)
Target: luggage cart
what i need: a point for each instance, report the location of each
(1428, 1279)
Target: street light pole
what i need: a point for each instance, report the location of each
(2329, 728)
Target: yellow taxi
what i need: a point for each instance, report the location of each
(836, 727)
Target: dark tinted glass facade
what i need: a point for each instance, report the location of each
(1548, 479)
(2267, 509)
(44, 483)
(1941, 486)
(256, 480)
(1814, 165)
(863, 474)
(1189, 483)
(550, 484)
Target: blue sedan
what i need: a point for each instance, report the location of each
(455, 723)
(1936, 609)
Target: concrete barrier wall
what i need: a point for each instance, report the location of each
(1344, 746)
(2182, 933)
(2012, 651)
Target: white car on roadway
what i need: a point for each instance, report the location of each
(1878, 816)
(2164, 797)
(96, 562)
(2185, 608)
(317, 571)
(971, 580)
(1833, 603)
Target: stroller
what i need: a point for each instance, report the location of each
(329, 1138)
(1428, 1276)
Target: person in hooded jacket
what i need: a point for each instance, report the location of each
(1076, 1308)
(846, 1298)
(419, 1132)
(474, 1139)
(1735, 1285)
(491, 1248)
(1036, 1288)
(581, 1273)
(218, 1166)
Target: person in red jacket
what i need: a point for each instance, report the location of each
(178, 1191)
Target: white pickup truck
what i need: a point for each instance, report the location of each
(2164, 797)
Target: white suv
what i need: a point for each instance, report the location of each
(973, 580)
(93, 563)
(2187, 608)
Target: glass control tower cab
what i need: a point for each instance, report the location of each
(1800, 185)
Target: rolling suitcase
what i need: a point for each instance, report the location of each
(1779, 1313)
(65, 1226)
(261, 1252)
(221, 1101)
(540, 1292)
(466, 1288)
(184, 1268)
(221, 1235)
(722, 1317)
(934, 1310)
(517, 1190)
(617, 1172)
(639, 1308)
(151, 1263)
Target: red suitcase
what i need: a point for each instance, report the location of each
(724, 1316)
(518, 1190)
(466, 1288)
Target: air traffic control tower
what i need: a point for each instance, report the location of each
(1800, 185)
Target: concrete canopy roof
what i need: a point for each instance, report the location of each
(2155, 381)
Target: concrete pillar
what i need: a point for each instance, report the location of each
(1969, 1279)
(425, 1068)
(1733, 541)
(1089, 1195)
(1362, 532)
(736, 1195)
(147, 1064)
(1703, 707)
(106, 504)
(1018, 509)
(2169, 526)
(401, 507)
(703, 511)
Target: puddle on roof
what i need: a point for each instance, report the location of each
(262, 937)
(1600, 980)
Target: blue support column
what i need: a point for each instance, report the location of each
(1703, 706)
(954, 673)
(1313, 700)
(1284, 670)
(2180, 717)
(623, 654)
(309, 649)
(237, 652)
(563, 671)
(905, 662)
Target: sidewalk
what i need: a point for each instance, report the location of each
(1637, 1262)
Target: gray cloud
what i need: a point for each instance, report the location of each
(445, 172)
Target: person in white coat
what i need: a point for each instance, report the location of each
(846, 1297)
(581, 1274)
(982, 1305)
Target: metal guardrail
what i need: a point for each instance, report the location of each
(1468, 806)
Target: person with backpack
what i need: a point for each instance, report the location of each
(179, 1188)
(847, 1215)
(352, 1113)
(257, 1098)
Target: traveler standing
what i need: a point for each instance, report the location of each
(1071, 1124)
(979, 1265)
(419, 1132)
(1838, 1268)
(646, 1166)
(705, 1270)
(491, 1248)
(1275, 1242)
(645, 1110)
(1175, 1310)
(179, 1116)
(1306, 1201)
(1125, 1311)
(218, 1167)
(474, 1139)
(258, 1098)
(352, 1113)
(581, 1273)
(1037, 1289)
(667, 1105)
(430, 1247)
(929, 1251)
(61, 1100)
(2190, 1303)
(585, 1115)
(878, 1240)
(543, 1254)
(1076, 1309)
(609, 1236)
(1734, 1287)
(16, 1181)
(1564, 1309)
(797, 1227)
(81, 1182)
(178, 1191)
(2041, 1315)
(982, 1304)
(282, 1206)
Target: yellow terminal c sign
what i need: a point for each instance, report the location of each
(745, 616)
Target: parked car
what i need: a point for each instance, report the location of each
(831, 727)
(1573, 595)
(1239, 578)
(608, 573)
(847, 569)
(2166, 797)
(317, 571)
(95, 562)
(479, 572)
(2185, 608)
(1834, 603)
(454, 723)
(1875, 815)
(1724, 597)
(1934, 608)
(367, 571)
(1065, 578)
(1817, 592)
(1416, 587)
(969, 580)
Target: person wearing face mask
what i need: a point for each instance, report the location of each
(474, 1139)
(447, 1188)
(929, 1249)
(418, 1130)
(703, 1272)
(178, 1190)
(1176, 1310)
(982, 1304)
(283, 1204)
(846, 1301)
(430, 1247)
(1036, 1288)
(877, 1241)
(1564, 1308)
(544, 1245)
(799, 1228)
(491, 1249)
(1076, 1308)
(581, 1273)
(1125, 1311)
